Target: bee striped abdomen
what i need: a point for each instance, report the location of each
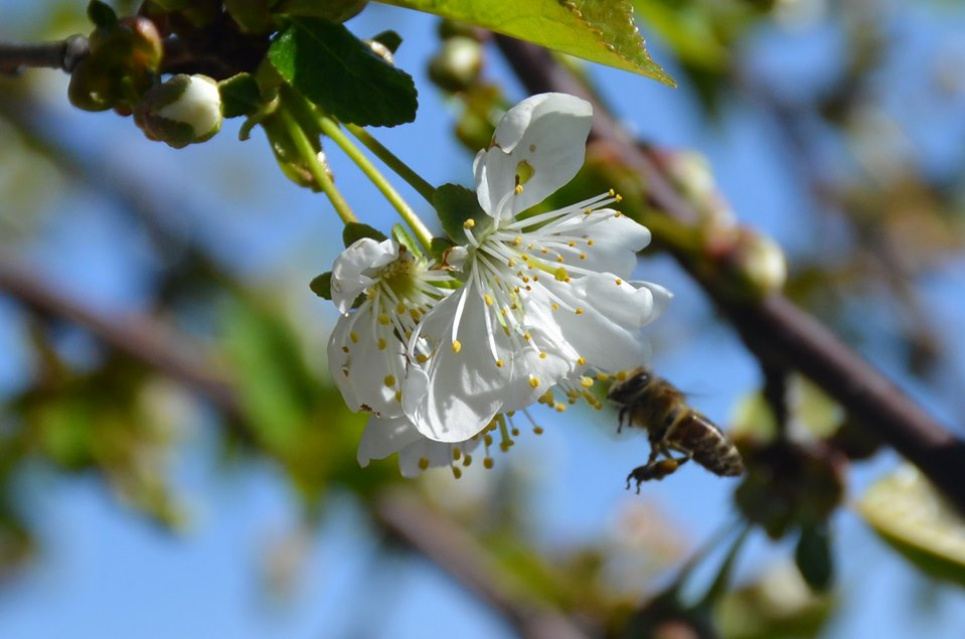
(708, 445)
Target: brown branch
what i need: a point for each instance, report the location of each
(63, 55)
(775, 330)
(463, 558)
(138, 337)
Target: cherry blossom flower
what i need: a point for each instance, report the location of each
(545, 297)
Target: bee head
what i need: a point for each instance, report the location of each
(623, 392)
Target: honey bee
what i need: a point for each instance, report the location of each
(653, 403)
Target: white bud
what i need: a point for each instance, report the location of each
(184, 110)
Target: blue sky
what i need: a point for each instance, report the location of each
(107, 573)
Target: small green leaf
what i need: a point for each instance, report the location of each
(101, 14)
(341, 74)
(402, 236)
(455, 205)
(602, 32)
(322, 285)
(814, 558)
(355, 231)
(389, 39)
(239, 95)
(907, 512)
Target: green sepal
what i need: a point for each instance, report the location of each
(814, 558)
(402, 236)
(240, 96)
(355, 231)
(455, 205)
(439, 246)
(389, 39)
(321, 285)
(101, 14)
(341, 74)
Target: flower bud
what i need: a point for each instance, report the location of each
(457, 65)
(184, 110)
(382, 51)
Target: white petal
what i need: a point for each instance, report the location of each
(548, 132)
(362, 370)
(606, 332)
(351, 273)
(456, 394)
(616, 240)
(385, 436)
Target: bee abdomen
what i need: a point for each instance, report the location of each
(709, 446)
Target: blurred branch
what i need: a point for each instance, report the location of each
(776, 331)
(63, 55)
(138, 337)
(464, 559)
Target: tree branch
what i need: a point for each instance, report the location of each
(63, 55)
(456, 552)
(775, 330)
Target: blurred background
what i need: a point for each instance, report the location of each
(175, 463)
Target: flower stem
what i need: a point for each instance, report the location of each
(331, 129)
(314, 166)
(423, 188)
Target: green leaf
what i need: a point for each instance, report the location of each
(814, 558)
(402, 236)
(597, 31)
(455, 205)
(355, 231)
(334, 10)
(907, 512)
(341, 74)
(101, 14)
(322, 285)
(239, 95)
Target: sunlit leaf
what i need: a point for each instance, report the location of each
(602, 32)
(907, 512)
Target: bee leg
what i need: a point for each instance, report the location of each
(655, 470)
(621, 419)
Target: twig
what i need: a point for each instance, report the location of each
(775, 330)
(445, 543)
(63, 55)
(139, 337)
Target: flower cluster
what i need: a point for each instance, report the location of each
(525, 308)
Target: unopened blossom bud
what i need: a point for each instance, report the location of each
(762, 262)
(382, 51)
(184, 110)
(457, 65)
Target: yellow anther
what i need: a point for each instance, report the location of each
(581, 360)
(527, 336)
(400, 308)
(538, 430)
(499, 363)
(533, 381)
(526, 278)
(622, 375)
(544, 250)
(389, 380)
(489, 299)
(582, 256)
(611, 192)
(519, 189)
(518, 240)
(536, 278)
(589, 242)
(514, 433)
(511, 262)
(488, 463)
(618, 197)
(560, 407)
(579, 310)
(560, 274)
(488, 439)
(382, 343)
(586, 382)
(354, 337)
(559, 258)
(555, 306)
(468, 224)
(415, 314)
(423, 463)
(542, 355)
(571, 243)
(467, 460)
(345, 349)
(456, 346)
(384, 319)
(619, 281)
(456, 453)
(617, 214)
(456, 472)
(422, 358)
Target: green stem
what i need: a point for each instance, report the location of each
(304, 146)
(331, 129)
(423, 188)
